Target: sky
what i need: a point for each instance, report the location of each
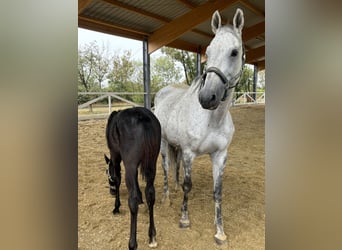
(114, 43)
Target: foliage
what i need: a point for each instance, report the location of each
(93, 67)
(187, 59)
(121, 72)
(246, 80)
(164, 71)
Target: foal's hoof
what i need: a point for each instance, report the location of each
(112, 192)
(116, 211)
(153, 244)
(184, 223)
(221, 239)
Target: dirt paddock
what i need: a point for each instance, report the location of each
(243, 204)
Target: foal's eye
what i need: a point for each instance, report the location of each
(234, 52)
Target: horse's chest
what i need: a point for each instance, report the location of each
(208, 139)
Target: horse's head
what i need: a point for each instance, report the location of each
(112, 180)
(225, 60)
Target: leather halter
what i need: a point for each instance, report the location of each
(223, 78)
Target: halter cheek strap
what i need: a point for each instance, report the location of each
(223, 78)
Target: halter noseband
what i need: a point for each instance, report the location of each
(223, 78)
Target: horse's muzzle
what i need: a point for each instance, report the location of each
(210, 102)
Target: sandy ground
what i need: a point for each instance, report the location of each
(243, 205)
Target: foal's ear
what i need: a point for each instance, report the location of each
(106, 158)
(215, 22)
(238, 20)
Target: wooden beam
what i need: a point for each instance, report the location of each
(255, 54)
(202, 33)
(109, 28)
(183, 45)
(137, 10)
(252, 8)
(253, 31)
(260, 64)
(174, 29)
(187, 4)
(82, 4)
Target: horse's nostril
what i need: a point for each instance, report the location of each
(213, 98)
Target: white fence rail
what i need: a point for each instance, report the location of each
(240, 98)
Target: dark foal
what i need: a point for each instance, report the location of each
(133, 136)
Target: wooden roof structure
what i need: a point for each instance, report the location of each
(181, 24)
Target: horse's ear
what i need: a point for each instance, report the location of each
(215, 22)
(106, 158)
(238, 20)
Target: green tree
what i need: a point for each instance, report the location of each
(187, 59)
(93, 67)
(246, 80)
(164, 71)
(121, 72)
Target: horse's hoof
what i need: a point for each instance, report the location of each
(116, 211)
(221, 239)
(184, 224)
(153, 244)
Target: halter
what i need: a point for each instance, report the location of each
(223, 78)
(108, 174)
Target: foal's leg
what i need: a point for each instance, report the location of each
(187, 185)
(117, 176)
(133, 202)
(219, 163)
(150, 197)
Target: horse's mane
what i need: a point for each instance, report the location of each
(195, 84)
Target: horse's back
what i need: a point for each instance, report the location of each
(169, 93)
(133, 127)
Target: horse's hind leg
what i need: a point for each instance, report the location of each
(219, 163)
(176, 175)
(150, 198)
(165, 165)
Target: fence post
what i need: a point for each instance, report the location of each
(109, 104)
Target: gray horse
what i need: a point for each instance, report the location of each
(196, 120)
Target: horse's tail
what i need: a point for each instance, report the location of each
(152, 138)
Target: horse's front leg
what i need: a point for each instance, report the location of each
(187, 185)
(176, 174)
(219, 163)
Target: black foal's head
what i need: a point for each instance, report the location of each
(112, 179)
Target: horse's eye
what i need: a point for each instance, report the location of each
(234, 53)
